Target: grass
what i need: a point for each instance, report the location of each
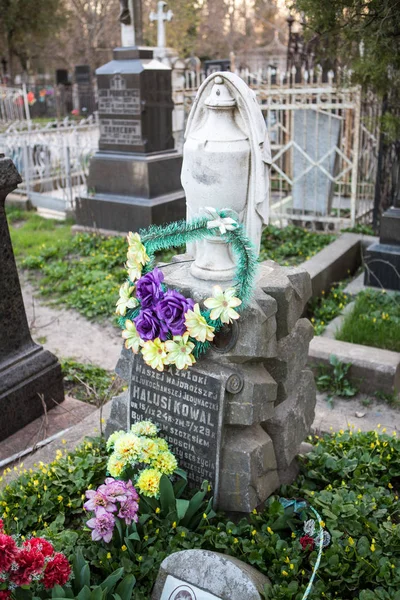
(374, 321)
(322, 309)
(84, 272)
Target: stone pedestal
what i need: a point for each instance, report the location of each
(236, 418)
(382, 260)
(30, 377)
(134, 178)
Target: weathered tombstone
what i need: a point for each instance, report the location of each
(134, 177)
(315, 138)
(382, 259)
(238, 417)
(205, 575)
(30, 377)
(83, 80)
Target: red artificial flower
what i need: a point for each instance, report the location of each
(29, 561)
(40, 544)
(307, 542)
(5, 595)
(57, 571)
(8, 551)
(1, 525)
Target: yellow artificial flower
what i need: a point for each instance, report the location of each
(132, 337)
(162, 445)
(223, 304)
(197, 326)
(115, 465)
(166, 463)
(148, 482)
(179, 351)
(146, 428)
(136, 249)
(128, 447)
(114, 437)
(154, 354)
(148, 450)
(134, 269)
(126, 300)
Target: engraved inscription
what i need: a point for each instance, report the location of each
(120, 131)
(186, 406)
(119, 102)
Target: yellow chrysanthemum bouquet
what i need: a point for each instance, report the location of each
(142, 456)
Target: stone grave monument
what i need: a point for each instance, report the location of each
(205, 575)
(134, 178)
(382, 259)
(29, 375)
(315, 135)
(83, 80)
(238, 416)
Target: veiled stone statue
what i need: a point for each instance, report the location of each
(226, 159)
(124, 14)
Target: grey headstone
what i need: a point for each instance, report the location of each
(205, 575)
(315, 137)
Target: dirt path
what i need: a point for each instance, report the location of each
(68, 334)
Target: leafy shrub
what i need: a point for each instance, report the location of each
(333, 379)
(291, 245)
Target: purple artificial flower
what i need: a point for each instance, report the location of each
(114, 490)
(102, 525)
(172, 309)
(132, 491)
(128, 511)
(148, 288)
(149, 326)
(98, 498)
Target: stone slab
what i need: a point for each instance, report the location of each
(334, 262)
(372, 369)
(223, 576)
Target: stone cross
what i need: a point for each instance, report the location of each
(160, 16)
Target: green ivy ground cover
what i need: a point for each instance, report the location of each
(374, 321)
(85, 271)
(352, 480)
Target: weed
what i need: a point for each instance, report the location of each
(42, 339)
(334, 380)
(374, 321)
(89, 383)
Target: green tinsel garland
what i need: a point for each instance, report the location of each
(174, 235)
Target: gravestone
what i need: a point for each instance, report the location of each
(315, 136)
(134, 178)
(30, 377)
(205, 575)
(382, 259)
(238, 416)
(83, 80)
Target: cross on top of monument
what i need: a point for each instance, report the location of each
(160, 16)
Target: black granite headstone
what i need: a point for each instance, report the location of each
(382, 260)
(188, 408)
(83, 79)
(134, 178)
(29, 375)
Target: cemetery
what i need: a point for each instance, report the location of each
(200, 307)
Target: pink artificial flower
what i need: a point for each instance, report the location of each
(97, 499)
(102, 525)
(128, 511)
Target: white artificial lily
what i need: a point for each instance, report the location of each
(224, 224)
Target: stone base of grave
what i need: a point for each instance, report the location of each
(255, 395)
(145, 190)
(382, 260)
(30, 384)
